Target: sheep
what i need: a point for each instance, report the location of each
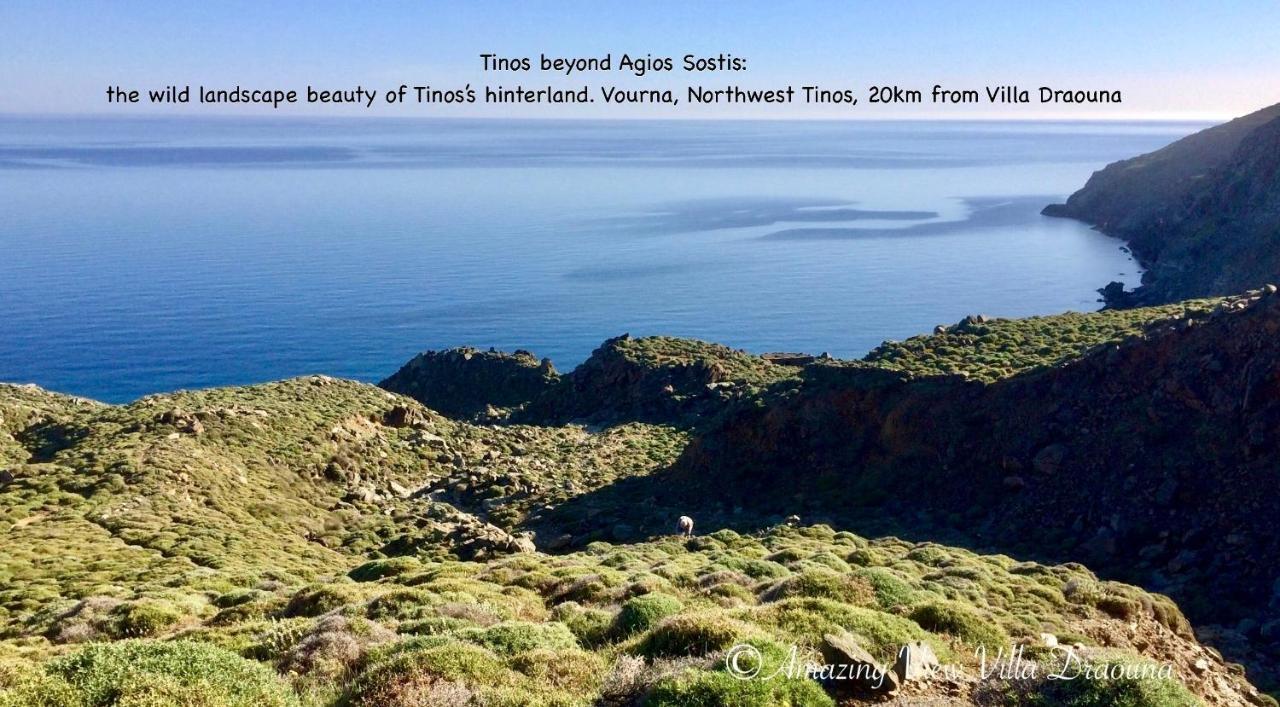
(686, 526)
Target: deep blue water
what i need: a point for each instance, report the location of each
(146, 255)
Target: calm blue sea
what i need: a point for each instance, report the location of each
(145, 255)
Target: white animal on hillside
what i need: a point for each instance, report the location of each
(686, 526)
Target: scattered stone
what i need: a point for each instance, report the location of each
(970, 322)
(183, 421)
(788, 358)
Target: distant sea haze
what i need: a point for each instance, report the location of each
(143, 255)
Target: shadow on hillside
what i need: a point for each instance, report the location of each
(637, 508)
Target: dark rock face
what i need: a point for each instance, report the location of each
(1202, 215)
(464, 382)
(614, 385)
(654, 379)
(1156, 460)
(650, 379)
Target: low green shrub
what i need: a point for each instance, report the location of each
(374, 570)
(644, 612)
(514, 637)
(821, 584)
(692, 635)
(432, 674)
(320, 599)
(961, 622)
(144, 618)
(702, 688)
(805, 621)
(151, 673)
(1112, 683)
(890, 590)
(575, 671)
(591, 626)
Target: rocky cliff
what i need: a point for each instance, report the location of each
(466, 382)
(1141, 441)
(1154, 458)
(1202, 215)
(649, 379)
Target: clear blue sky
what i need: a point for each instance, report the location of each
(1171, 58)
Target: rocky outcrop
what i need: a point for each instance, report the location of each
(442, 530)
(1154, 460)
(648, 379)
(466, 382)
(1202, 215)
(655, 379)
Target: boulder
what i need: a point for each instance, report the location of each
(1049, 459)
(852, 671)
(523, 542)
(404, 416)
(916, 661)
(971, 321)
(559, 542)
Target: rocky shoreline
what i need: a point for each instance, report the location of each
(1201, 216)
